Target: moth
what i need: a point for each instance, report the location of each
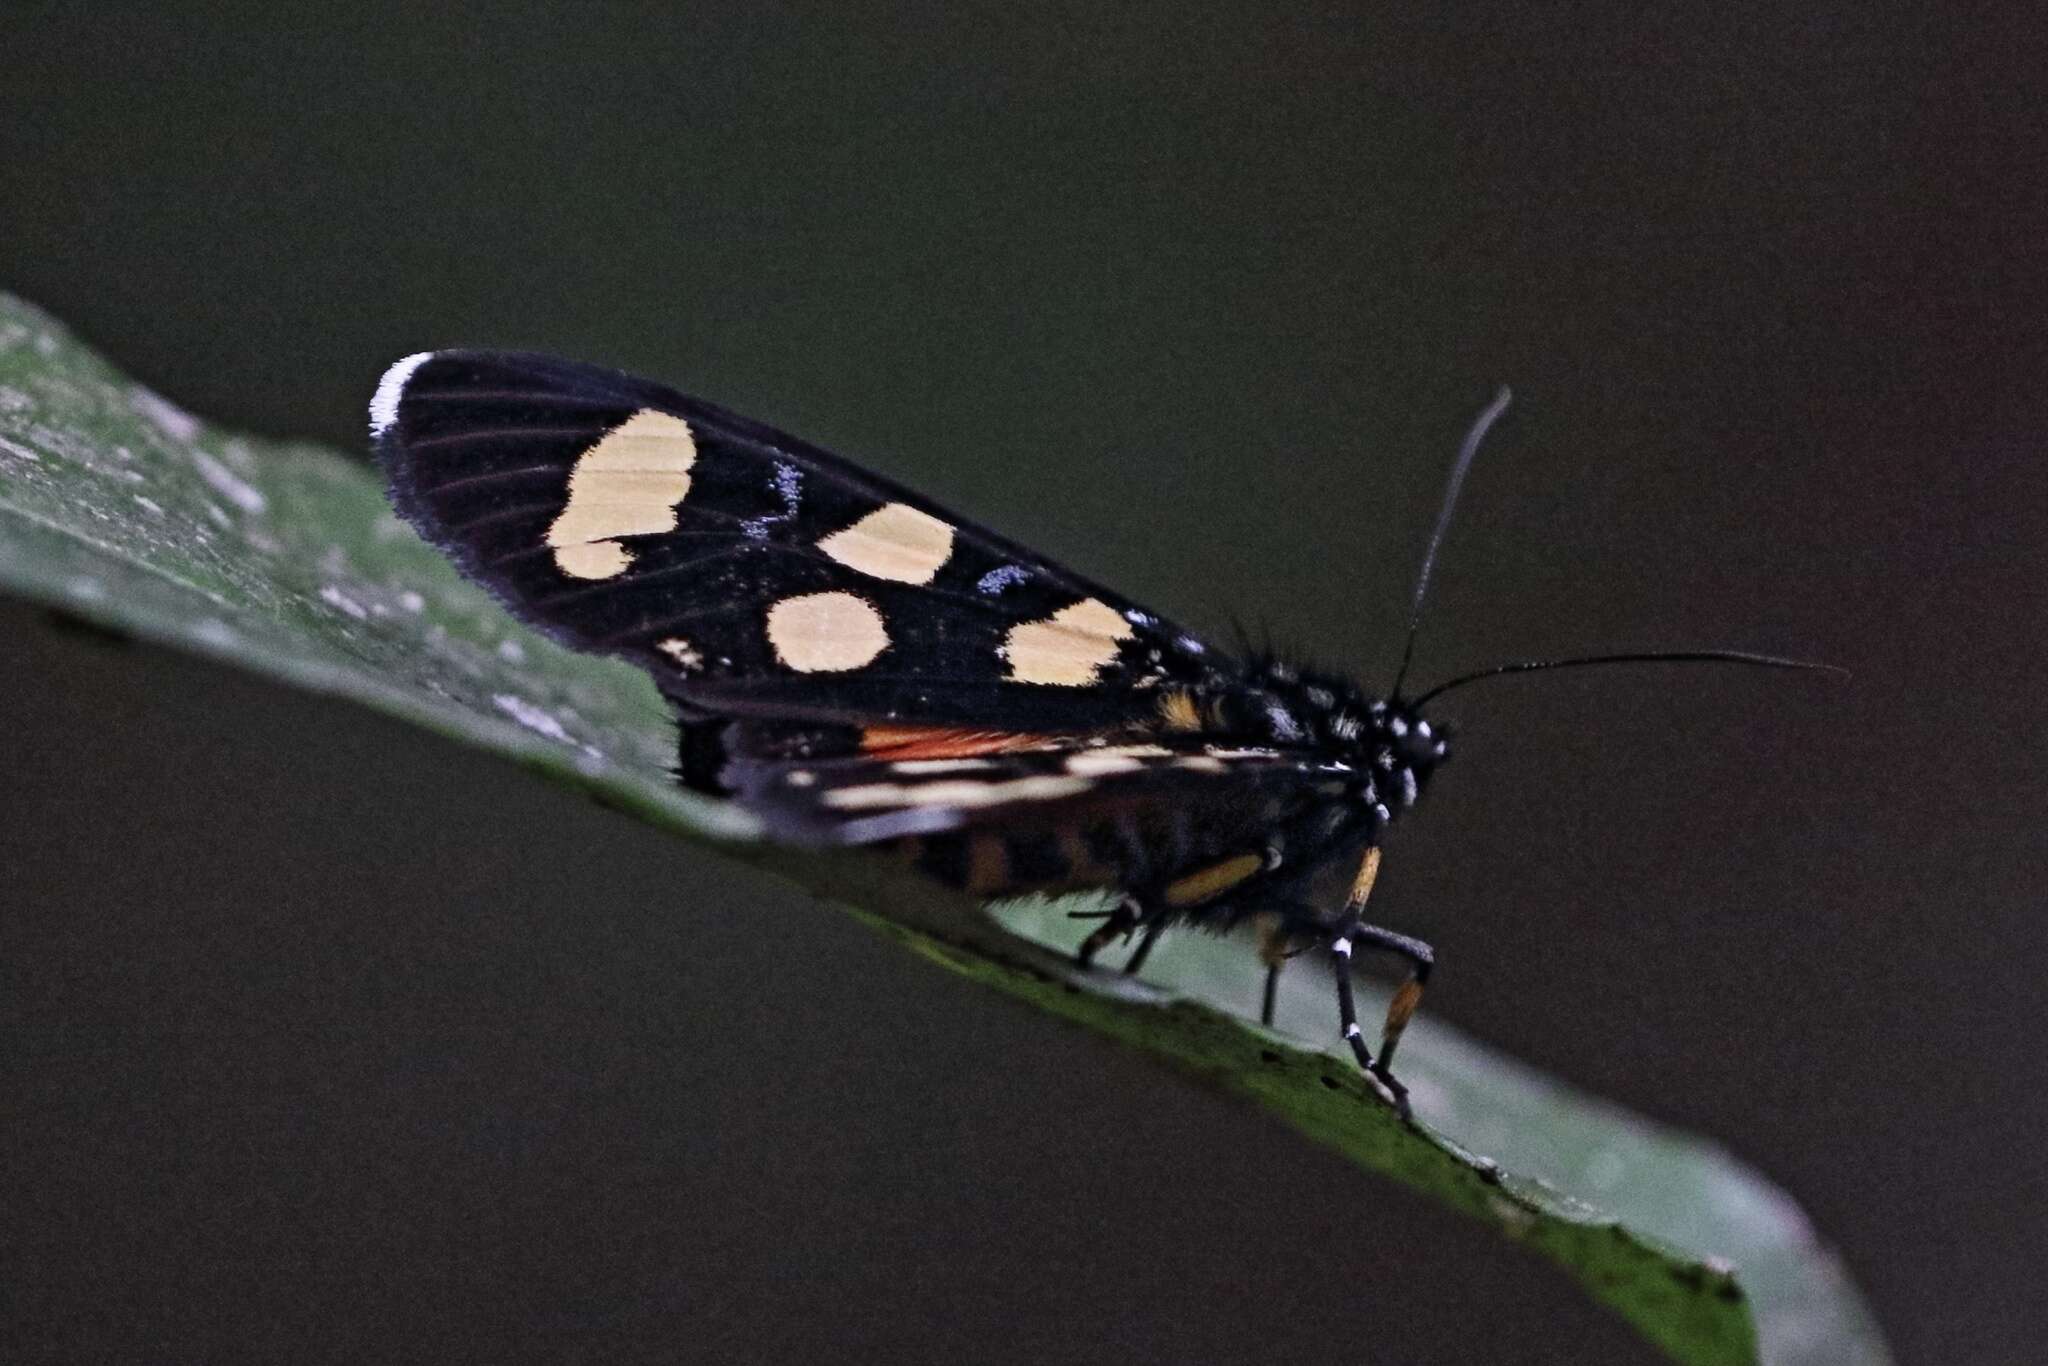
(860, 666)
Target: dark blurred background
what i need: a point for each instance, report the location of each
(340, 1043)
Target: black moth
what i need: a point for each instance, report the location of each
(860, 666)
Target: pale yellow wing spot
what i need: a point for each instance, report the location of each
(1044, 787)
(1093, 763)
(628, 484)
(826, 632)
(1068, 648)
(895, 542)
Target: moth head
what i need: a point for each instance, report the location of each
(1407, 747)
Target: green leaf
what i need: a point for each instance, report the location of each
(283, 559)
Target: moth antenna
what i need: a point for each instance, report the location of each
(1634, 657)
(1466, 452)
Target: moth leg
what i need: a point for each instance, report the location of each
(1115, 925)
(1399, 1010)
(1274, 953)
(1342, 935)
(1154, 927)
(1347, 1016)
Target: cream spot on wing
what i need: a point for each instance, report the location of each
(685, 655)
(826, 632)
(919, 766)
(895, 542)
(960, 792)
(1113, 759)
(628, 484)
(1095, 765)
(1068, 648)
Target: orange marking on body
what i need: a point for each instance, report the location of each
(1212, 881)
(1177, 710)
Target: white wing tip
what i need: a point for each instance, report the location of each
(384, 403)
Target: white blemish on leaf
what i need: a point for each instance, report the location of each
(18, 451)
(411, 601)
(149, 505)
(537, 720)
(228, 484)
(342, 602)
(511, 651)
(167, 416)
